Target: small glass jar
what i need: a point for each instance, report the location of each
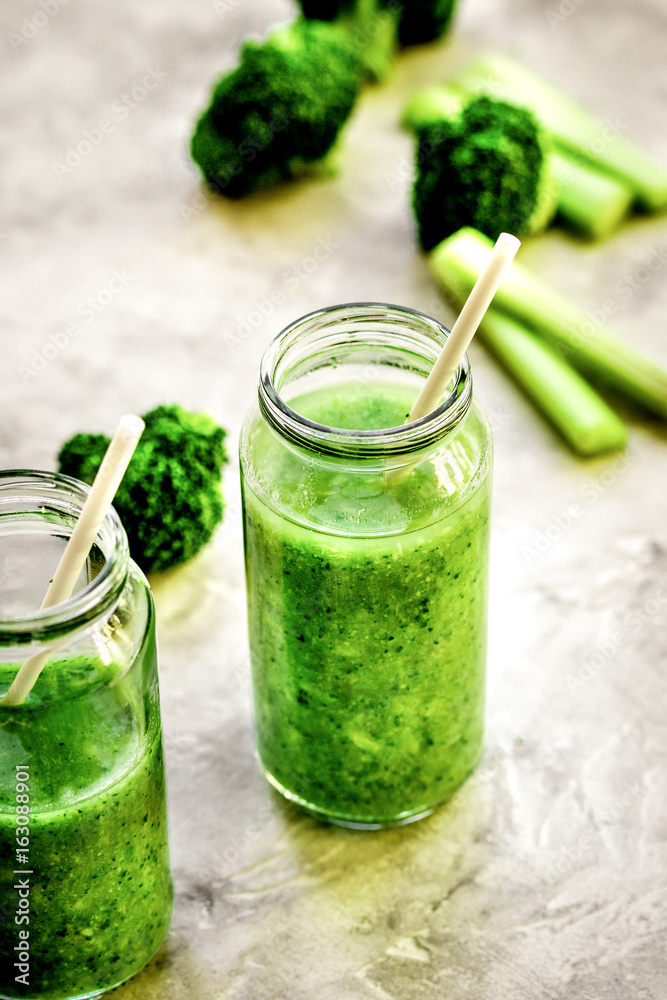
(85, 879)
(366, 543)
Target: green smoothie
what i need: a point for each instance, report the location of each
(367, 616)
(100, 885)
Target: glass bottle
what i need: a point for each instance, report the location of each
(366, 544)
(85, 879)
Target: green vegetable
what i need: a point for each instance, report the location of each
(571, 126)
(370, 25)
(589, 347)
(575, 409)
(281, 111)
(566, 399)
(424, 20)
(590, 200)
(487, 168)
(414, 21)
(433, 104)
(170, 499)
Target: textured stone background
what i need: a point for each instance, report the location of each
(545, 876)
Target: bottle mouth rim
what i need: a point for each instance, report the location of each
(427, 333)
(28, 491)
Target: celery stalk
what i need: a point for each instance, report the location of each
(571, 125)
(590, 200)
(431, 105)
(593, 202)
(574, 408)
(586, 345)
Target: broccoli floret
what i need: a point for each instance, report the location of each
(281, 110)
(326, 10)
(487, 168)
(575, 131)
(170, 499)
(589, 199)
(415, 21)
(424, 20)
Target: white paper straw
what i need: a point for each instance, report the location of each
(103, 490)
(463, 331)
(466, 325)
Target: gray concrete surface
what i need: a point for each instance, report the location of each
(545, 876)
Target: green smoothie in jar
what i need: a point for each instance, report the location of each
(366, 589)
(85, 880)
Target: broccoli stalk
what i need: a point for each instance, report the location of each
(279, 114)
(170, 500)
(572, 127)
(589, 199)
(486, 167)
(592, 349)
(370, 25)
(373, 29)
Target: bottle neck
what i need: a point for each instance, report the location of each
(336, 345)
(38, 512)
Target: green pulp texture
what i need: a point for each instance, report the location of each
(100, 890)
(367, 620)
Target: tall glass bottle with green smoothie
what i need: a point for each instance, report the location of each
(366, 543)
(85, 881)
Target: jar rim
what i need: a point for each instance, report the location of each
(400, 440)
(93, 601)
